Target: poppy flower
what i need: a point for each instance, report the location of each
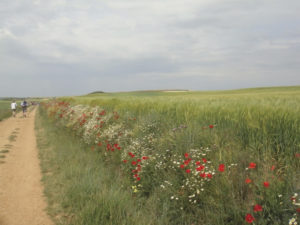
(125, 161)
(198, 163)
(252, 165)
(257, 208)
(204, 160)
(221, 167)
(108, 147)
(273, 168)
(186, 155)
(266, 184)
(211, 126)
(298, 210)
(209, 175)
(203, 175)
(188, 171)
(182, 166)
(186, 162)
(145, 157)
(249, 218)
(201, 167)
(131, 154)
(138, 178)
(248, 181)
(133, 163)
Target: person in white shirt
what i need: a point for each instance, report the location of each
(14, 108)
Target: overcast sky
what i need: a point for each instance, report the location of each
(73, 47)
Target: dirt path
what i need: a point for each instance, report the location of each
(21, 192)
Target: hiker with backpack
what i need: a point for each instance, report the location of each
(24, 107)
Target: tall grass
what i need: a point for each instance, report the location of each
(4, 109)
(256, 125)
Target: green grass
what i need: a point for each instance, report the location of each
(5, 111)
(4, 151)
(12, 138)
(251, 125)
(81, 187)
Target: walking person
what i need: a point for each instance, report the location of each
(13, 107)
(24, 107)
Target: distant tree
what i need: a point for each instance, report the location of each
(96, 92)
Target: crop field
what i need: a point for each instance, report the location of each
(157, 157)
(4, 109)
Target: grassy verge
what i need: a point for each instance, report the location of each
(83, 188)
(5, 111)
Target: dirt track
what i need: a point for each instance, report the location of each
(21, 191)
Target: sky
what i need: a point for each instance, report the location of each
(74, 47)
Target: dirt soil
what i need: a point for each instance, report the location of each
(21, 192)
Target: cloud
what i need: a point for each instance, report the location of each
(147, 44)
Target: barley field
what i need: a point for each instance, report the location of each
(158, 157)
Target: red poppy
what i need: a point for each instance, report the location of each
(266, 184)
(133, 163)
(132, 155)
(139, 160)
(273, 168)
(186, 155)
(102, 113)
(203, 175)
(252, 165)
(145, 157)
(204, 160)
(186, 162)
(221, 167)
(182, 166)
(249, 218)
(211, 126)
(99, 144)
(138, 178)
(198, 163)
(125, 161)
(117, 146)
(248, 181)
(257, 208)
(201, 167)
(136, 175)
(209, 175)
(188, 171)
(298, 210)
(297, 155)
